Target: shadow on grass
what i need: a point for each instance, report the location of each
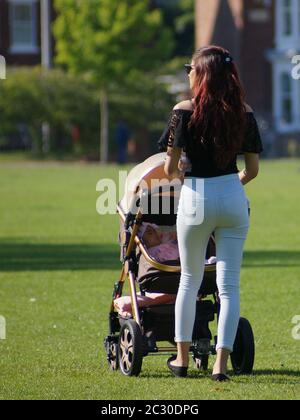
(274, 377)
(22, 256)
(272, 258)
(279, 372)
(43, 257)
(277, 376)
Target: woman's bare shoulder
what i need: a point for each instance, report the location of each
(185, 105)
(248, 108)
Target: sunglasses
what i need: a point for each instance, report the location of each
(188, 68)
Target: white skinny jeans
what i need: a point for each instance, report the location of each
(211, 205)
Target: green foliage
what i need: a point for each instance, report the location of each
(30, 97)
(19, 94)
(121, 47)
(143, 101)
(110, 39)
(188, 14)
(116, 44)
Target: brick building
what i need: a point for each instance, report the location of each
(20, 31)
(263, 36)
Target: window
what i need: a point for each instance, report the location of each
(23, 26)
(298, 17)
(287, 23)
(286, 90)
(287, 18)
(286, 99)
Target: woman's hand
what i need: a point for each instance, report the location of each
(172, 163)
(252, 168)
(183, 164)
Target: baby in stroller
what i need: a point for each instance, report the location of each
(162, 246)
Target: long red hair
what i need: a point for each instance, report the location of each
(219, 118)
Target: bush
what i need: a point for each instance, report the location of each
(69, 105)
(29, 98)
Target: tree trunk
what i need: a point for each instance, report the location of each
(46, 48)
(104, 139)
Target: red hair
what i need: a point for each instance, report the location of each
(219, 117)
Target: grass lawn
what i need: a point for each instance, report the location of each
(59, 260)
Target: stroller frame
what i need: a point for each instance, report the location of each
(128, 341)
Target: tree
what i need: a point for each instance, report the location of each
(110, 41)
(187, 16)
(66, 102)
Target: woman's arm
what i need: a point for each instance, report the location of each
(172, 162)
(251, 168)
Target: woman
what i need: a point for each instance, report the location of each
(212, 129)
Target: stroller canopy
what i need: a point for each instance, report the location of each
(148, 178)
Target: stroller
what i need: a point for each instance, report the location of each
(138, 333)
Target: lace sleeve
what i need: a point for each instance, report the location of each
(163, 141)
(252, 142)
(173, 136)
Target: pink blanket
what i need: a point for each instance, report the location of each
(165, 252)
(123, 304)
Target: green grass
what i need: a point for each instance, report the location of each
(59, 260)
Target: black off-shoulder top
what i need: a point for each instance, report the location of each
(176, 134)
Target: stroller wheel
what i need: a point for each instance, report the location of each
(243, 355)
(201, 362)
(130, 349)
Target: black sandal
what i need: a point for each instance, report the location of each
(220, 378)
(178, 371)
